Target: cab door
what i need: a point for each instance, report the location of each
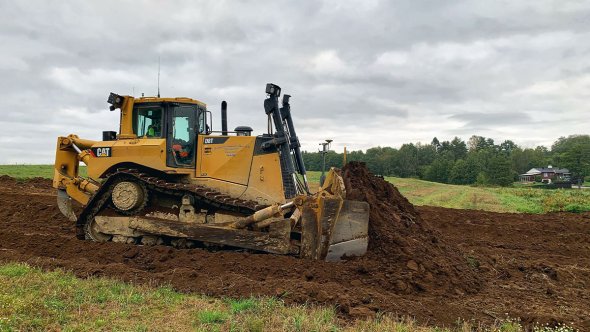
(181, 136)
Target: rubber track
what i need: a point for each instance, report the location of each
(208, 196)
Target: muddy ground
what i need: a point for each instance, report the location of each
(434, 264)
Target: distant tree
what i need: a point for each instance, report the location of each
(435, 143)
(507, 147)
(407, 161)
(472, 143)
(355, 156)
(482, 179)
(542, 149)
(459, 148)
(477, 143)
(373, 160)
(333, 159)
(458, 172)
(500, 171)
(489, 143)
(573, 153)
(388, 159)
(472, 169)
(465, 171)
(312, 160)
(425, 155)
(439, 170)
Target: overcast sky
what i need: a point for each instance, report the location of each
(363, 73)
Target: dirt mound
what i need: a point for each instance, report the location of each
(410, 253)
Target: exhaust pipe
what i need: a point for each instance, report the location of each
(224, 117)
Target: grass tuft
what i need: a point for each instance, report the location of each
(212, 317)
(243, 304)
(14, 270)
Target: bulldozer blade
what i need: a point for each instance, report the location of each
(64, 203)
(334, 229)
(317, 222)
(350, 235)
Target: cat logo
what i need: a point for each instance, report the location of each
(215, 140)
(101, 152)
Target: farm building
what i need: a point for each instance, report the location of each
(547, 175)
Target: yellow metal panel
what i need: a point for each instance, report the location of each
(173, 100)
(66, 163)
(126, 128)
(148, 152)
(265, 184)
(231, 167)
(77, 194)
(225, 158)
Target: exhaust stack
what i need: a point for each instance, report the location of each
(224, 117)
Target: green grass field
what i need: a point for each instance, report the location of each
(32, 171)
(510, 199)
(34, 300)
(513, 199)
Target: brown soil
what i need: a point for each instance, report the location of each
(434, 264)
(410, 255)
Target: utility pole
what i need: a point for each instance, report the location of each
(324, 151)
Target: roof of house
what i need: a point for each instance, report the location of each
(554, 170)
(539, 170)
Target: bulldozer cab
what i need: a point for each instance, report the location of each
(177, 123)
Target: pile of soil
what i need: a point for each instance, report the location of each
(436, 265)
(410, 253)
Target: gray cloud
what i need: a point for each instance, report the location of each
(365, 73)
(480, 120)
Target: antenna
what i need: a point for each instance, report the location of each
(158, 77)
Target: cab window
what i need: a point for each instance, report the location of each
(147, 121)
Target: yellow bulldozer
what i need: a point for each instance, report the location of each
(167, 178)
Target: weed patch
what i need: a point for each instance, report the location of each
(243, 305)
(212, 317)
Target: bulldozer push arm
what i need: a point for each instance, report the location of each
(167, 178)
(70, 152)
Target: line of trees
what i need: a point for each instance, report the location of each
(478, 161)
